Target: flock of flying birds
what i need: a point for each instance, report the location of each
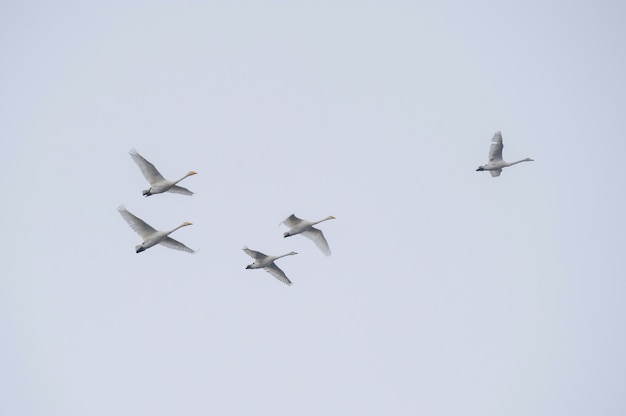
(152, 237)
(158, 185)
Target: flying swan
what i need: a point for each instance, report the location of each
(152, 237)
(495, 164)
(262, 261)
(158, 184)
(304, 227)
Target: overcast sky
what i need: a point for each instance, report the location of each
(449, 292)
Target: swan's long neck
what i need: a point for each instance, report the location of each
(189, 174)
(325, 219)
(180, 226)
(285, 255)
(520, 161)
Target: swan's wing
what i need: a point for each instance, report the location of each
(257, 255)
(169, 242)
(495, 173)
(292, 221)
(495, 151)
(180, 190)
(137, 224)
(318, 238)
(275, 271)
(148, 170)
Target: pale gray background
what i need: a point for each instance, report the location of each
(448, 292)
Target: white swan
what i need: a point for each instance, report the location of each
(304, 227)
(262, 261)
(158, 184)
(152, 237)
(495, 164)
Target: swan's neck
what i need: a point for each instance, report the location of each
(520, 161)
(325, 219)
(285, 255)
(175, 182)
(180, 226)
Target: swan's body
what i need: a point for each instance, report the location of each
(158, 184)
(262, 261)
(152, 237)
(495, 164)
(304, 227)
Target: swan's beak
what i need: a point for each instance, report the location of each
(480, 168)
(248, 266)
(140, 249)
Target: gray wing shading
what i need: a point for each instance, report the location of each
(317, 237)
(180, 190)
(495, 151)
(275, 271)
(257, 255)
(495, 173)
(148, 170)
(176, 245)
(137, 224)
(292, 221)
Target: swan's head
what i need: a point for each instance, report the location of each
(249, 266)
(331, 217)
(139, 248)
(192, 173)
(480, 169)
(187, 223)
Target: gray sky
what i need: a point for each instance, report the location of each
(448, 292)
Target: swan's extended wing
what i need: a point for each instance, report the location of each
(275, 271)
(180, 190)
(495, 151)
(169, 242)
(137, 224)
(292, 221)
(148, 170)
(495, 173)
(257, 255)
(317, 237)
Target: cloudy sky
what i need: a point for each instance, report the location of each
(448, 292)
